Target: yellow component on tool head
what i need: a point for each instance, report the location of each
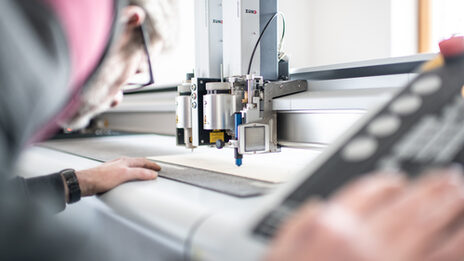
(214, 136)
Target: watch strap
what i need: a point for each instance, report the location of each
(72, 183)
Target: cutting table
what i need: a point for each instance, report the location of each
(155, 218)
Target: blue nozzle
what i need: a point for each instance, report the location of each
(237, 156)
(238, 162)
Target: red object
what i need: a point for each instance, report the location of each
(452, 47)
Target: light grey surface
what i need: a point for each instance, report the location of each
(360, 99)
(149, 220)
(367, 63)
(147, 122)
(369, 82)
(147, 102)
(108, 148)
(314, 127)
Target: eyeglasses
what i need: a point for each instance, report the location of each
(136, 86)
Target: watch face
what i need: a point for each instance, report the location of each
(67, 172)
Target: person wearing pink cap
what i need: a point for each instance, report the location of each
(63, 61)
(77, 54)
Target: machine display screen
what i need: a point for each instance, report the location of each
(254, 139)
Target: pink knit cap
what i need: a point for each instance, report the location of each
(87, 25)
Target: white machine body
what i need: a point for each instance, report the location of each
(208, 38)
(184, 112)
(230, 103)
(241, 32)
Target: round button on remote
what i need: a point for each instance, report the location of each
(427, 85)
(359, 149)
(384, 126)
(406, 104)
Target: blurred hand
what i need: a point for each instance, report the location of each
(380, 217)
(113, 173)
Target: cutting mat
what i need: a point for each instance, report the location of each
(204, 167)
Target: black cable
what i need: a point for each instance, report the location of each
(279, 48)
(259, 39)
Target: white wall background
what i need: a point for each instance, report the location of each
(170, 67)
(447, 20)
(321, 32)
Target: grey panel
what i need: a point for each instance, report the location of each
(313, 127)
(346, 100)
(147, 122)
(269, 50)
(388, 66)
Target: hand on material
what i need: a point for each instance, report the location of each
(113, 173)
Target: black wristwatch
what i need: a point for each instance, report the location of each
(70, 178)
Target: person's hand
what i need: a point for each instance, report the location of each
(113, 173)
(380, 217)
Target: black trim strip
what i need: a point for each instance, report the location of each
(362, 71)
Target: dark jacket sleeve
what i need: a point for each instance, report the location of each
(44, 191)
(34, 72)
